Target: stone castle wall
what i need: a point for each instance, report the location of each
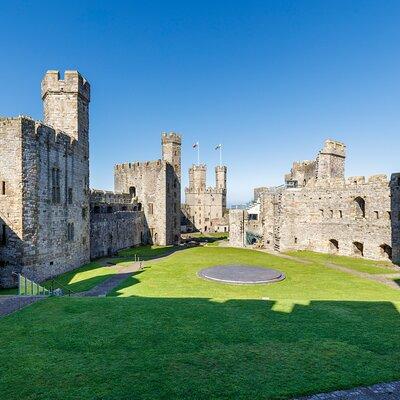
(205, 207)
(156, 184)
(320, 210)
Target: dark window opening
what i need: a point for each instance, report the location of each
(386, 251)
(340, 214)
(84, 212)
(109, 210)
(55, 185)
(295, 240)
(139, 206)
(376, 214)
(3, 187)
(69, 195)
(360, 207)
(333, 245)
(358, 249)
(132, 191)
(70, 232)
(3, 238)
(96, 209)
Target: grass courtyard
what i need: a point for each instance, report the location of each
(164, 333)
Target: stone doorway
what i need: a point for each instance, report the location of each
(386, 251)
(358, 249)
(333, 246)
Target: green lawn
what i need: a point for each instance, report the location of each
(167, 334)
(357, 264)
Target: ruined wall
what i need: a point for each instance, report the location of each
(237, 221)
(115, 223)
(328, 218)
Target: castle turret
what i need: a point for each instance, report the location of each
(331, 160)
(171, 150)
(220, 177)
(197, 177)
(66, 103)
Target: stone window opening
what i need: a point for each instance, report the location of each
(70, 231)
(358, 249)
(84, 212)
(333, 245)
(139, 207)
(389, 215)
(150, 208)
(96, 209)
(55, 185)
(359, 207)
(69, 195)
(3, 238)
(376, 214)
(331, 213)
(132, 191)
(340, 214)
(386, 251)
(3, 188)
(322, 212)
(295, 240)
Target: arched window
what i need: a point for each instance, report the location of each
(132, 191)
(386, 251)
(359, 207)
(139, 206)
(333, 245)
(358, 249)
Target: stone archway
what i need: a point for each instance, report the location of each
(386, 251)
(333, 246)
(358, 249)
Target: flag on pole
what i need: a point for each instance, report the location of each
(218, 146)
(195, 145)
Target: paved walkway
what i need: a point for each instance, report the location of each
(381, 391)
(111, 283)
(9, 304)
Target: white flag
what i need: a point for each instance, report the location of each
(218, 146)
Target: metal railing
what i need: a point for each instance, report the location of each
(27, 287)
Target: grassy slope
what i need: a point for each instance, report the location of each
(179, 336)
(357, 264)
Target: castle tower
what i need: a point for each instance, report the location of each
(171, 151)
(197, 177)
(66, 103)
(331, 160)
(220, 177)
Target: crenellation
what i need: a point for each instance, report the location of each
(354, 216)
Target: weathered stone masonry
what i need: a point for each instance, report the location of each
(318, 209)
(44, 172)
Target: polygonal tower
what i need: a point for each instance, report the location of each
(330, 160)
(171, 151)
(220, 177)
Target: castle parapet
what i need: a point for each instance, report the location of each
(73, 82)
(171, 137)
(334, 147)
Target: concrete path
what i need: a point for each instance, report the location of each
(9, 304)
(381, 391)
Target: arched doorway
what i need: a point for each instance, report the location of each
(359, 207)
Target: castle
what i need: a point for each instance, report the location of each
(318, 209)
(205, 207)
(50, 221)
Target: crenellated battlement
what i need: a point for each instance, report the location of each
(138, 165)
(334, 147)
(171, 137)
(198, 167)
(73, 82)
(110, 197)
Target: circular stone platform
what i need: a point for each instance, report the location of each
(241, 274)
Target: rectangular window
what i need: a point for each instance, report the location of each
(69, 195)
(322, 212)
(3, 238)
(151, 209)
(331, 213)
(3, 188)
(55, 185)
(70, 232)
(84, 212)
(389, 215)
(340, 214)
(376, 214)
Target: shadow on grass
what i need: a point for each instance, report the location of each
(146, 253)
(181, 348)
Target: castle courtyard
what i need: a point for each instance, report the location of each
(164, 332)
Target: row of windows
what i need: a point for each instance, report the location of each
(376, 214)
(56, 187)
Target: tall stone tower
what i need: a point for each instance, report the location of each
(171, 151)
(220, 177)
(330, 160)
(197, 177)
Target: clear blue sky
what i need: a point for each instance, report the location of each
(268, 79)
